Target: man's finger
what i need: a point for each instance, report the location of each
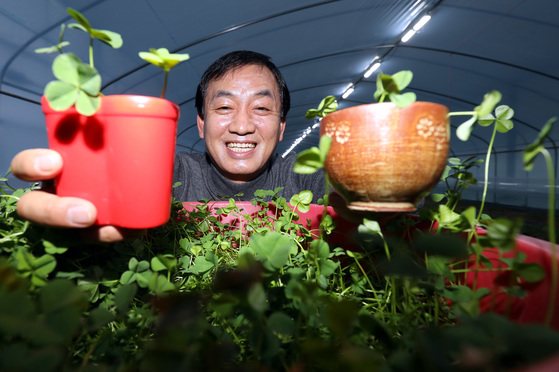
(36, 164)
(48, 209)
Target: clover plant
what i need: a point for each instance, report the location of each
(201, 294)
(390, 87)
(483, 116)
(79, 84)
(530, 154)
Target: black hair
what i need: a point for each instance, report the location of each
(231, 61)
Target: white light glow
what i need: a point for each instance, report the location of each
(421, 22)
(371, 69)
(305, 133)
(348, 91)
(408, 36)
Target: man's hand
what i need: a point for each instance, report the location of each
(45, 208)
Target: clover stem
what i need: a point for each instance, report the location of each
(325, 209)
(551, 228)
(91, 52)
(456, 113)
(487, 157)
(164, 83)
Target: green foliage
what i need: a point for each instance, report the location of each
(537, 146)
(79, 84)
(483, 116)
(530, 153)
(112, 39)
(311, 160)
(391, 86)
(200, 294)
(326, 106)
(457, 177)
(162, 58)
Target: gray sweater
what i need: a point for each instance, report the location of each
(201, 180)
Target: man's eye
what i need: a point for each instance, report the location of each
(263, 109)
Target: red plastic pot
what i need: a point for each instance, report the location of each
(121, 155)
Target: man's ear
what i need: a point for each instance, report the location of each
(200, 123)
(281, 129)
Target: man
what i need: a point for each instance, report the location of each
(242, 102)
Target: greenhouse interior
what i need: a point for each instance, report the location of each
(467, 49)
(459, 52)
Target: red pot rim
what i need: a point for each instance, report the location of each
(125, 104)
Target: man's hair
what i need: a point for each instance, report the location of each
(230, 62)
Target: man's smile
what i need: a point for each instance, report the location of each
(240, 146)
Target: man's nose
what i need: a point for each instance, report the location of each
(242, 124)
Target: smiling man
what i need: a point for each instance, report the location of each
(242, 102)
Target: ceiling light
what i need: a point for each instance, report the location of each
(371, 69)
(408, 35)
(421, 22)
(348, 91)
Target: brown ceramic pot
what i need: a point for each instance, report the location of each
(386, 158)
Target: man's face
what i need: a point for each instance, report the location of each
(242, 123)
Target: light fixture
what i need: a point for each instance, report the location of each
(408, 36)
(350, 88)
(422, 22)
(416, 27)
(371, 69)
(298, 140)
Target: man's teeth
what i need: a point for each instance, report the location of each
(240, 147)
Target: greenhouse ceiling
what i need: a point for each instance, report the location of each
(468, 48)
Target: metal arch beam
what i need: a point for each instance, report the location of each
(186, 129)
(223, 32)
(38, 35)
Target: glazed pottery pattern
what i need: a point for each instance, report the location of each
(385, 158)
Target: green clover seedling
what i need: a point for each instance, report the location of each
(78, 84)
(162, 58)
(326, 106)
(391, 86)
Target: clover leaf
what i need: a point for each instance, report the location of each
(482, 114)
(162, 58)
(326, 106)
(138, 271)
(52, 49)
(58, 47)
(311, 160)
(390, 87)
(302, 201)
(536, 147)
(110, 38)
(78, 84)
